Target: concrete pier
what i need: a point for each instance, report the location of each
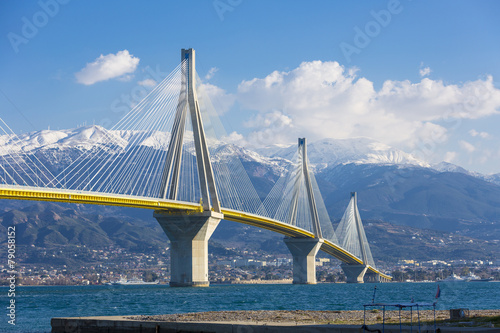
(372, 277)
(304, 252)
(189, 235)
(125, 324)
(354, 273)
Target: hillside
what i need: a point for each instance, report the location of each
(417, 197)
(62, 228)
(49, 224)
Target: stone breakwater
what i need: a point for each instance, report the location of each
(299, 317)
(484, 321)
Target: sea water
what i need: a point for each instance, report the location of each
(35, 306)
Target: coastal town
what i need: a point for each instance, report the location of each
(113, 264)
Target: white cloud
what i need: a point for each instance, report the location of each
(211, 73)
(467, 146)
(108, 67)
(425, 71)
(235, 138)
(450, 156)
(485, 156)
(325, 100)
(218, 97)
(434, 100)
(474, 133)
(147, 83)
(275, 127)
(125, 78)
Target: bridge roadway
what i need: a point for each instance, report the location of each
(86, 197)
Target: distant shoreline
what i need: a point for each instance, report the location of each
(227, 283)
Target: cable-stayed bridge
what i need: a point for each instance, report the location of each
(170, 154)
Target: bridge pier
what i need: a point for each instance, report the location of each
(189, 235)
(354, 273)
(372, 277)
(304, 252)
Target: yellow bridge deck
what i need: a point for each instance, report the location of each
(83, 197)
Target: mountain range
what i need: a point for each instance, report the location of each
(392, 186)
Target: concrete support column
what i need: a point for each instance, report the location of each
(189, 234)
(372, 277)
(304, 252)
(354, 273)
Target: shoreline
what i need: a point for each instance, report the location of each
(237, 282)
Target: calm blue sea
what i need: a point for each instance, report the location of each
(35, 306)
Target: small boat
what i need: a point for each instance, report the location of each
(453, 278)
(471, 277)
(133, 281)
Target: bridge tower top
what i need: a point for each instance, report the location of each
(188, 55)
(188, 105)
(304, 172)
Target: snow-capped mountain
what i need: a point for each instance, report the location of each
(495, 178)
(450, 167)
(84, 138)
(92, 137)
(322, 154)
(57, 149)
(332, 152)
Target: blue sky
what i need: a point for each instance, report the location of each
(418, 75)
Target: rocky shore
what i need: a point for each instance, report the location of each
(300, 317)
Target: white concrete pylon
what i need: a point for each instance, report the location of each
(188, 100)
(189, 233)
(304, 172)
(304, 250)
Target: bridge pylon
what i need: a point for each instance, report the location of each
(304, 250)
(189, 232)
(353, 238)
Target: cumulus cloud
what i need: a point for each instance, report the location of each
(474, 133)
(235, 138)
(467, 146)
(485, 156)
(108, 67)
(211, 73)
(209, 94)
(147, 83)
(425, 71)
(274, 127)
(450, 156)
(326, 100)
(125, 78)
